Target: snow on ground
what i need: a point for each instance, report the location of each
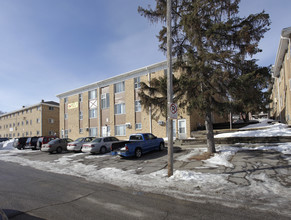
(262, 193)
(269, 130)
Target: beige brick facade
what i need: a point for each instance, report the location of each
(118, 112)
(41, 119)
(280, 108)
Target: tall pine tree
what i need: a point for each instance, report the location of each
(211, 43)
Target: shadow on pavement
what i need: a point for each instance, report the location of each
(15, 214)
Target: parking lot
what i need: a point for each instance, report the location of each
(149, 162)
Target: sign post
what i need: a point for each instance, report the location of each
(169, 88)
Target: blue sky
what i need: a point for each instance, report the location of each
(48, 47)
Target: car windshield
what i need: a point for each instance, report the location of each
(79, 139)
(97, 140)
(40, 139)
(54, 141)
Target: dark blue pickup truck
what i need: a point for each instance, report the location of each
(139, 144)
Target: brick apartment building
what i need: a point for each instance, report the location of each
(112, 107)
(280, 108)
(41, 119)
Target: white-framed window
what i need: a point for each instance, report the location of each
(137, 106)
(66, 134)
(120, 130)
(37, 120)
(81, 130)
(137, 82)
(51, 108)
(93, 132)
(66, 116)
(93, 113)
(51, 120)
(105, 101)
(51, 133)
(80, 97)
(66, 100)
(119, 109)
(93, 94)
(119, 87)
(138, 126)
(80, 115)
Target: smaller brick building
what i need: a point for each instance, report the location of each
(41, 119)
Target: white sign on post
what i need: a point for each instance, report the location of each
(173, 110)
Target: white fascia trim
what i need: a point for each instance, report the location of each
(122, 77)
(29, 107)
(283, 46)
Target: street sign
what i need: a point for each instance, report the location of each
(173, 110)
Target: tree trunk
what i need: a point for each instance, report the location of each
(209, 130)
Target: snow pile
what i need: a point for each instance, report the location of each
(7, 145)
(271, 131)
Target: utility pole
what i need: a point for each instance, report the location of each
(169, 87)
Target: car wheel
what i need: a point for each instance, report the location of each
(138, 153)
(161, 147)
(103, 150)
(59, 150)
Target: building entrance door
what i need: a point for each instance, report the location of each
(182, 129)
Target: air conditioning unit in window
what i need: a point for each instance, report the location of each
(128, 125)
(161, 123)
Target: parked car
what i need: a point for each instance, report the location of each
(99, 145)
(3, 139)
(20, 143)
(78, 143)
(31, 142)
(56, 145)
(139, 144)
(44, 140)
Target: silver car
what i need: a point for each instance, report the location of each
(77, 144)
(99, 145)
(57, 145)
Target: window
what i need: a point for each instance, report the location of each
(137, 82)
(51, 108)
(66, 100)
(51, 133)
(92, 132)
(66, 134)
(81, 130)
(138, 126)
(80, 115)
(93, 113)
(80, 97)
(137, 106)
(119, 109)
(37, 133)
(51, 120)
(119, 87)
(66, 116)
(38, 108)
(37, 120)
(26, 122)
(30, 122)
(93, 94)
(105, 101)
(120, 130)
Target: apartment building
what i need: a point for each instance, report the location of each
(41, 119)
(280, 108)
(112, 107)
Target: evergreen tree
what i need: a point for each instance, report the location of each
(211, 42)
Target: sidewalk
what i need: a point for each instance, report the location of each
(243, 163)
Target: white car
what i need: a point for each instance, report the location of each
(99, 145)
(77, 144)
